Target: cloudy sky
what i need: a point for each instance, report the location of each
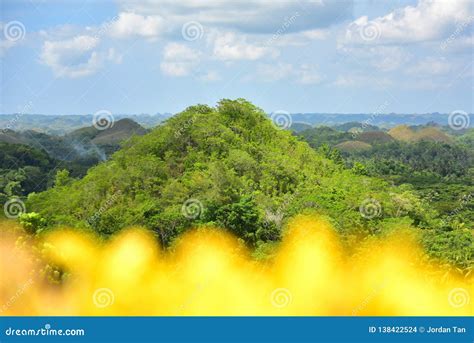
(77, 57)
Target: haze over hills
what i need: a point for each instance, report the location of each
(80, 142)
(62, 124)
(30, 159)
(378, 119)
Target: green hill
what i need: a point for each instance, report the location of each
(433, 134)
(321, 135)
(353, 146)
(298, 127)
(119, 131)
(374, 137)
(407, 134)
(227, 166)
(105, 141)
(354, 126)
(11, 137)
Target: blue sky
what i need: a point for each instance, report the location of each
(78, 57)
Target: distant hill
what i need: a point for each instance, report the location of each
(407, 134)
(62, 124)
(433, 134)
(356, 127)
(353, 146)
(374, 137)
(320, 135)
(402, 133)
(82, 148)
(298, 127)
(12, 137)
(108, 140)
(380, 120)
(119, 131)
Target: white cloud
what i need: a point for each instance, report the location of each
(344, 81)
(64, 31)
(431, 66)
(248, 16)
(315, 34)
(457, 45)
(75, 57)
(179, 60)
(382, 58)
(304, 73)
(388, 58)
(274, 71)
(210, 76)
(427, 21)
(230, 47)
(307, 74)
(5, 45)
(130, 24)
(360, 80)
(295, 39)
(113, 56)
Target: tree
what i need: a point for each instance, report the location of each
(32, 222)
(242, 218)
(62, 178)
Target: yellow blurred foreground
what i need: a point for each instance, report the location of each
(209, 273)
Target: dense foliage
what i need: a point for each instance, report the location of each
(229, 166)
(439, 170)
(23, 170)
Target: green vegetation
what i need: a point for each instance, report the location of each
(23, 170)
(428, 162)
(229, 166)
(30, 159)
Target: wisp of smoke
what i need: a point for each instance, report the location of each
(208, 272)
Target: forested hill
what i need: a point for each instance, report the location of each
(230, 166)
